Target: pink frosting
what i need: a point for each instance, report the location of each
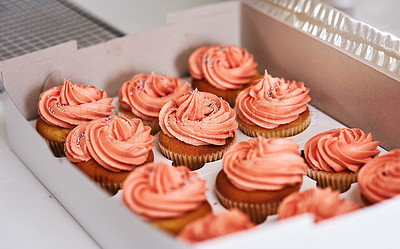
(116, 143)
(224, 67)
(72, 104)
(198, 118)
(264, 164)
(340, 149)
(322, 203)
(379, 179)
(215, 225)
(145, 94)
(271, 102)
(159, 190)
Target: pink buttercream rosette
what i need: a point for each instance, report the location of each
(321, 203)
(379, 179)
(144, 95)
(335, 156)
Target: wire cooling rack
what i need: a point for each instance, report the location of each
(30, 25)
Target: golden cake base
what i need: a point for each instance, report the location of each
(257, 204)
(336, 180)
(55, 136)
(193, 157)
(174, 225)
(108, 180)
(285, 130)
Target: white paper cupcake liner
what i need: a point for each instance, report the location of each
(336, 180)
(258, 212)
(193, 162)
(276, 133)
(56, 147)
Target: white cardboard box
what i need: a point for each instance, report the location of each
(348, 87)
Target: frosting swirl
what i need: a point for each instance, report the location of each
(215, 225)
(264, 164)
(116, 143)
(271, 102)
(159, 190)
(145, 94)
(224, 67)
(379, 179)
(72, 104)
(340, 149)
(198, 118)
(322, 203)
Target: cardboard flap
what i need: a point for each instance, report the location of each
(23, 76)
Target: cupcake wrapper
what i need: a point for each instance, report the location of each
(191, 161)
(111, 188)
(337, 181)
(276, 133)
(257, 212)
(56, 147)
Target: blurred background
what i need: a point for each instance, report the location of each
(29, 25)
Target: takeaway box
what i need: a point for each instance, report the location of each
(351, 68)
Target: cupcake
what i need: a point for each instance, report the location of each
(223, 70)
(196, 128)
(108, 149)
(321, 203)
(165, 196)
(62, 108)
(273, 107)
(335, 156)
(257, 174)
(144, 94)
(215, 225)
(379, 178)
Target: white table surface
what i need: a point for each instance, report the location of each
(30, 217)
